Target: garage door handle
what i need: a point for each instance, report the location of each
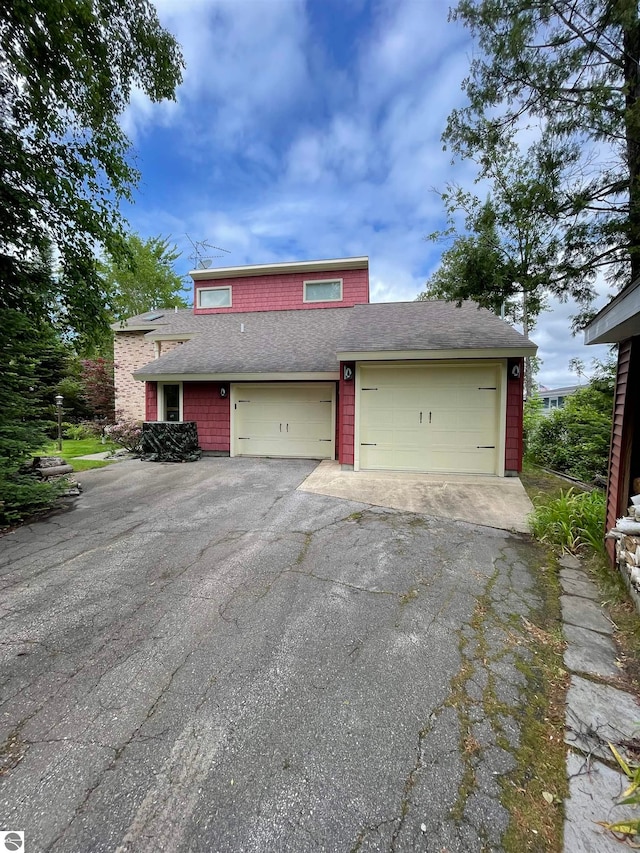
(280, 427)
(420, 417)
(485, 447)
(368, 444)
(324, 439)
(487, 388)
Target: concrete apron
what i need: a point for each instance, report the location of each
(491, 501)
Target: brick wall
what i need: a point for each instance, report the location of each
(130, 351)
(513, 432)
(283, 292)
(203, 404)
(167, 346)
(346, 416)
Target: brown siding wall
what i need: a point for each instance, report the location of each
(620, 454)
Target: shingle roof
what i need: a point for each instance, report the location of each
(272, 342)
(429, 325)
(308, 341)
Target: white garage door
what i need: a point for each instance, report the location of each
(293, 419)
(440, 418)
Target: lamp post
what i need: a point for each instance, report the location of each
(59, 399)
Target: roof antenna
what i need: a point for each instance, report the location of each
(202, 257)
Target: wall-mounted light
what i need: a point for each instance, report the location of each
(515, 371)
(223, 391)
(347, 372)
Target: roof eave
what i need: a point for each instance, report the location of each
(234, 376)
(438, 354)
(618, 320)
(288, 267)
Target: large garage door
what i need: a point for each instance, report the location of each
(440, 418)
(294, 419)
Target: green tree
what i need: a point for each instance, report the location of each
(67, 69)
(508, 248)
(33, 361)
(571, 70)
(575, 439)
(142, 278)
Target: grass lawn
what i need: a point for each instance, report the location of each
(72, 449)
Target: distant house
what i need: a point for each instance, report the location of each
(554, 398)
(619, 323)
(291, 360)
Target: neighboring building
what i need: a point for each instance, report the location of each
(619, 323)
(292, 360)
(554, 398)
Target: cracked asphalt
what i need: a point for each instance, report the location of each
(199, 657)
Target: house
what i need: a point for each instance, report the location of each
(554, 398)
(292, 360)
(619, 323)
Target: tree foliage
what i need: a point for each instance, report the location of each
(142, 278)
(569, 71)
(67, 70)
(575, 439)
(98, 387)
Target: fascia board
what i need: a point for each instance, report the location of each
(288, 267)
(175, 336)
(617, 321)
(331, 376)
(428, 355)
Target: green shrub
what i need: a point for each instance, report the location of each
(78, 432)
(22, 496)
(574, 440)
(573, 522)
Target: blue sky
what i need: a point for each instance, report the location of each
(312, 130)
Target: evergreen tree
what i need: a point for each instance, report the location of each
(569, 71)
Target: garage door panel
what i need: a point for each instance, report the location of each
(442, 418)
(284, 420)
(471, 461)
(392, 437)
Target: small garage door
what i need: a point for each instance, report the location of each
(295, 420)
(440, 418)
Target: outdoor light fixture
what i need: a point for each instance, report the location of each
(59, 399)
(347, 372)
(223, 390)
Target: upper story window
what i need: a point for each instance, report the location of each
(329, 290)
(214, 297)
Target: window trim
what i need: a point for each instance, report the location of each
(322, 281)
(208, 290)
(161, 407)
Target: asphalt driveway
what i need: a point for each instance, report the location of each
(199, 657)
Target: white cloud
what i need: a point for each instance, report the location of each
(245, 63)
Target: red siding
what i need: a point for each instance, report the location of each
(346, 416)
(513, 432)
(284, 292)
(202, 403)
(619, 456)
(151, 401)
